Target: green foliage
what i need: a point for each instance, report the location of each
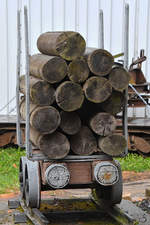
(9, 168)
(134, 162)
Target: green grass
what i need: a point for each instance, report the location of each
(9, 168)
(134, 162)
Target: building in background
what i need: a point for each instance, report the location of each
(76, 15)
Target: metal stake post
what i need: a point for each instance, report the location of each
(27, 81)
(126, 51)
(19, 140)
(101, 30)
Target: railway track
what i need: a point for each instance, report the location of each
(71, 212)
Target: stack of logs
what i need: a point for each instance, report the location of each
(75, 93)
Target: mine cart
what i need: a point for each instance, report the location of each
(38, 172)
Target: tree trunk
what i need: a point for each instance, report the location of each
(99, 61)
(78, 70)
(70, 122)
(119, 78)
(113, 145)
(97, 89)
(44, 119)
(53, 69)
(84, 142)
(55, 146)
(69, 45)
(103, 124)
(114, 104)
(69, 96)
(41, 92)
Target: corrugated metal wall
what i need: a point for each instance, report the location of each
(78, 15)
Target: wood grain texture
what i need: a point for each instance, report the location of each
(41, 92)
(69, 45)
(55, 145)
(99, 61)
(119, 78)
(84, 142)
(53, 69)
(113, 145)
(103, 124)
(97, 89)
(69, 96)
(78, 70)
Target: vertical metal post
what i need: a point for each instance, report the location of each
(101, 30)
(19, 141)
(27, 82)
(126, 52)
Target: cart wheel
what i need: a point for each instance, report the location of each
(32, 185)
(23, 163)
(107, 196)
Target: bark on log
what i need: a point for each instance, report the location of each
(119, 78)
(41, 92)
(53, 69)
(70, 122)
(99, 61)
(113, 145)
(55, 145)
(84, 142)
(114, 104)
(97, 89)
(69, 45)
(78, 70)
(103, 124)
(44, 119)
(69, 96)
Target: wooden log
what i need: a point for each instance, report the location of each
(141, 144)
(97, 89)
(70, 122)
(113, 145)
(53, 69)
(69, 45)
(99, 61)
(119, 78)
(84, 142)
(41, 92)
(55, 145)
(44, 119)
(114, 104)
(69, 96)
(78, 70)
(103, 124)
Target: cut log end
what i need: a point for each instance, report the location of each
(55, 146)
(70, 45)
(84, 142)
(114, 104)
(78, 70)
(119, 78)
(45, 119)
(100, 62)
(103, 124)
(113, 145)
(69, 96)
(42, 93)
(97, 89)
(70, 122)
(55, 70)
